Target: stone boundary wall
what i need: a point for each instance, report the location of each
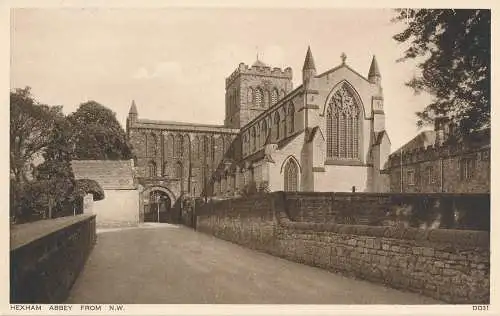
(47, 256)
(449, 265)
(249, 222)
(419, 210)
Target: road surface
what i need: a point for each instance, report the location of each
(168, 264)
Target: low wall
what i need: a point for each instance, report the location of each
(248, 222)
(431, 210)
(47, 256)
(451, 265)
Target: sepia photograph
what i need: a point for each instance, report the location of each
(248, 155)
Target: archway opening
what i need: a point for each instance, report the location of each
(159, 208)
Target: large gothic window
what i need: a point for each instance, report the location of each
(343, 125)
(291, 175)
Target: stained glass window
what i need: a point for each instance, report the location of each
(343, 125)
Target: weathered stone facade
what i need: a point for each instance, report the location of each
(440, 166)
(328, 134)
(448, 264)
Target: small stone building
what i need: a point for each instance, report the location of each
(433, 162)
(120, 206)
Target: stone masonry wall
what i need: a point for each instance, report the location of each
(449, 265)
(248, 222)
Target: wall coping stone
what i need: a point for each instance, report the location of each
(24, 234)
(467, 238)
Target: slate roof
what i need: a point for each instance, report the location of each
(110, 174)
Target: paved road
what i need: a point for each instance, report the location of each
(166, 264)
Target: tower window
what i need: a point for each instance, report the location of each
(259, 97)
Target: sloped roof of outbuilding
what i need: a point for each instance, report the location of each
(110, 174)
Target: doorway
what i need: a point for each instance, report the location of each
(158, 209)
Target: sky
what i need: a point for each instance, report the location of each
(173, 61)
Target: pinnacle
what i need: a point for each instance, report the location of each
(133, 108)
(374, 71)
(309, 62)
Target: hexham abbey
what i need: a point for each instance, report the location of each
(328, 134)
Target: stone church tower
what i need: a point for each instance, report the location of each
(250, 91)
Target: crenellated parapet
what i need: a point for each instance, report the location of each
(275, 72)
(479, 144)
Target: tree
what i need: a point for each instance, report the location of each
(30, 130)
(452, 48)
(97, 133)
(30, 133)
(55, 175)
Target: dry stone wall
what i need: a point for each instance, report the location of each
(451, 265)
